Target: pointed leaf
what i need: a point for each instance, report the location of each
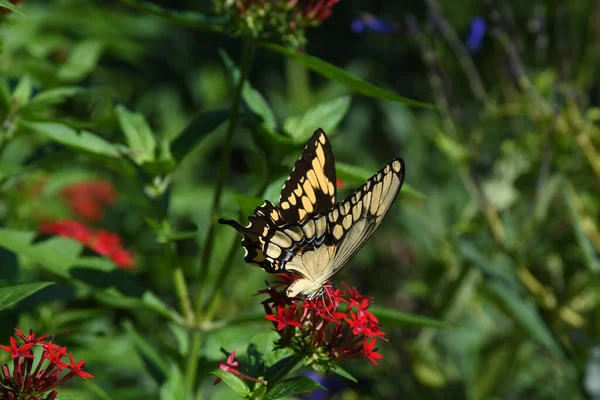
(339, 75)
(82, 61)
(252, 97)
(67, 136)
(140, 138)
(325, 115)
(12, 294)
(343, 373)
(292, 386)
(233, 381)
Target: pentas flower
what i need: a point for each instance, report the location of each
(89, 199)
(103, 242)
(232, 366)
(283, 20)
(36, 378)
(334, 327)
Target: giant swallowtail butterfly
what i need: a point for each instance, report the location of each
(309, 234)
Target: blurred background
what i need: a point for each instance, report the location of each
(499, 236)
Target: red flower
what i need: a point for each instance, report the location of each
(326, 329)
(89, 199)
(231, 366)
(33, 379)
(17, 351)
(284, 317)
(69, 229)
(102, 242)
(371, 354)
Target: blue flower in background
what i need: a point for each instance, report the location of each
(333, 384)
(372, 23)
(476, 34)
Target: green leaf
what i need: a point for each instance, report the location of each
(358, 176)
(22, 92)
(12, 294)
(140, 138)
(247, 204)
(292, 386)
(67, 136)
(12, 7)
(252, 97)
(147, 351)
(339, 75)
(343, 373)
(187, 18)
(197, 130)
(82, 61)
(325, 115)
(390, 317)
(233, 381)
(52, 97)
(525, 313)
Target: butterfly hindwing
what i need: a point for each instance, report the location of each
(310, 188)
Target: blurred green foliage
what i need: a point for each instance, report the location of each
(496, 234)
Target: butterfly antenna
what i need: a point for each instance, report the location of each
(234, 224)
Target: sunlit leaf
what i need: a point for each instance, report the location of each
(81, 140)
(325, 115)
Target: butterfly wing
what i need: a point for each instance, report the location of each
(352, 222)
(310, 188)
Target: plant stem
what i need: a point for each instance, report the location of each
(223, 170)
(193, 357)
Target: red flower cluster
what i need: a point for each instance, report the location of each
(31, 379)
(103, 242)
(89, 199)
(332, 328)
(232, 366)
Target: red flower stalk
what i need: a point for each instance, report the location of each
(89, 199)
(335, 327)
(33, 379)
(232, 366)
(103, 242)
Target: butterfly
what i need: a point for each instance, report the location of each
(309, 234)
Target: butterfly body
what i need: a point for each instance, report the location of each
(309, 234)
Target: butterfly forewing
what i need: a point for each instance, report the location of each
(352, 222)
(310, 188)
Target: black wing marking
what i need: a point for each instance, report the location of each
(310, 188)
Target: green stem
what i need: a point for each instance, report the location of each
(223, 170)
(193, 357)
(182, 295)
(215, 297)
